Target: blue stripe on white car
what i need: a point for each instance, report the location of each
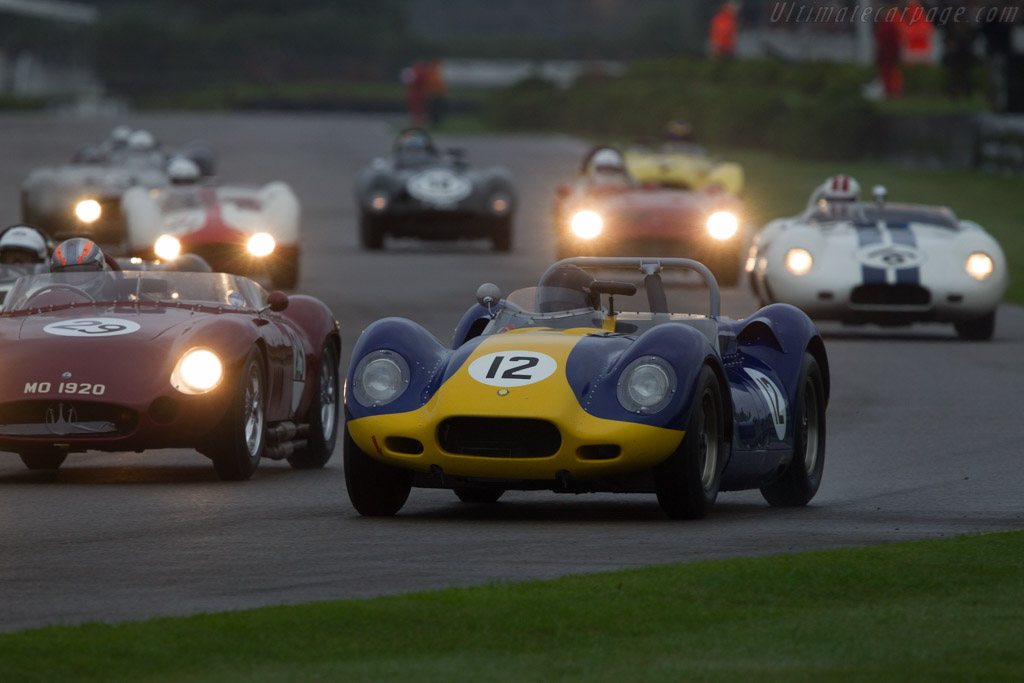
(888, 263)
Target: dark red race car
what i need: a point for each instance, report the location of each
(139, 360)
(606, 212)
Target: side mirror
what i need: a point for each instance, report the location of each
(488, 294)
(277, 301)
(879, 193)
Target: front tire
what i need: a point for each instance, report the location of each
(284, 270)
(244, 430)
(687, 482)
(323, 414)
(501, 239)
(48, 460)
(375, 488)
(801, 480)
(978, 329)
(370, 234)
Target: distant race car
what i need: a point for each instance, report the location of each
(422, 192)
(606, 212)
(684, 166)
(880, 262)
(83, 198)
(547, 390)
(249, 231)
(141, 360)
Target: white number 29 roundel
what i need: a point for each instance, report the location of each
(512, 368)
(92, 327)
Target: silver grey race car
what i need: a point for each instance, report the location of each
(425, 193)
(83, 198)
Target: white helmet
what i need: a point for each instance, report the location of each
(119, 136)
(608, 160)
(183, 171)
(22, 238)
(141, 141)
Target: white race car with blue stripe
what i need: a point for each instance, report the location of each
(883, 263)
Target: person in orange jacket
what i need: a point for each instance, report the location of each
(723, 31)
(917, 34)
(888, 53)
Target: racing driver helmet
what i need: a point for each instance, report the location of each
(678, 130)
(837, 195)
(77, 254)
(183, 171)
(22, 244)
(565, 289)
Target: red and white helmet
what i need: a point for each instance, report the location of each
(837, 194)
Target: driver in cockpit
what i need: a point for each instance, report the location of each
(567, 288)
(82, 255)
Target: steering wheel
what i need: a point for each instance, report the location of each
(60, 287)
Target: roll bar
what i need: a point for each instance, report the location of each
(651, 268)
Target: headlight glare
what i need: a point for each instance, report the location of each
(979, 265)
(198, 372)
(646, 385)
(722, 225)
(261, 244)
(88, 210)
(799, 261)
(587, 224)
(380, 378)
(167, 247)
(379, 202)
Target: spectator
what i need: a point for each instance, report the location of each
(958, 58)
(414, 79)
(436, 90)
(887, 51)
(917, 34)
(723, 32)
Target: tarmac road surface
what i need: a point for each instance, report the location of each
(924, 430)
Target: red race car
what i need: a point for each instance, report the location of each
(137, 360)
(607, 213)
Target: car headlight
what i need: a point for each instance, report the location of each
(88, 210)
(587, 224)
(197, 372)
(646, 385)
(167, 247)
(379, 202)
(979, 265)
(799, 261)
(380, 378)
(500, 203)
(722, 225)
(261, 244)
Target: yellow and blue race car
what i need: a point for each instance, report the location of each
(553, 388)
(683, 166)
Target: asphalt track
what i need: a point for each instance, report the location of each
(924, 430)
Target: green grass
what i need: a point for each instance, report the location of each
(929, 610)
(778, 186)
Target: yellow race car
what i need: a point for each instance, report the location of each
(685, 166)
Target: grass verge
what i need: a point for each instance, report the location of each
(929, 610)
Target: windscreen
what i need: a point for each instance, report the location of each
(55, 289)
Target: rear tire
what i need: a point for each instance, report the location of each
(979, 329)
(469, 494)
(244, 429)
(51, 460)
(323, 414)
(687, 482)
(801, 480)
(375, 488)
(370, 234)
(726, 269)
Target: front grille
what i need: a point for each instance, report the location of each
(890, 295)
(58, 418)
(495, 437)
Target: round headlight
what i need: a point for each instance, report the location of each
(380, 378)
(799, 261)
(88, 210)
(261, 244)
(379, 202)
(647, 385)
(198, 372)
(722, 225)
(500, 203)
(587, 224)
(979, 265)
(167, 247)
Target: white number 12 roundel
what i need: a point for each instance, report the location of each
(512, 368)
